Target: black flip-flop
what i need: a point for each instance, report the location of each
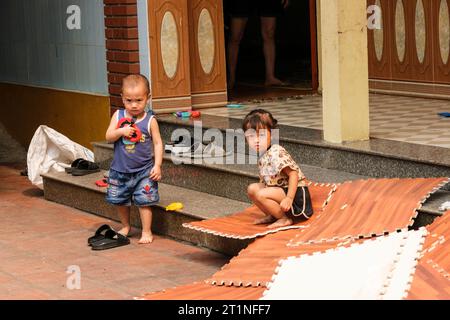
(99, 234)
(85, 167)
(112, 239)
(73, 165)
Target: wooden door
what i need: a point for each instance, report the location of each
(313, 39)
(441, 40)
(207, 53)
(413, 44)
(169, 55)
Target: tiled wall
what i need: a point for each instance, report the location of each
(36, 47)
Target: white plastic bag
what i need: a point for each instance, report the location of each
(51, 151)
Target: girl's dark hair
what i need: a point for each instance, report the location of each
(259, 119)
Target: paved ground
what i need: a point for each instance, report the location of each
(41, 239)
(10, 150)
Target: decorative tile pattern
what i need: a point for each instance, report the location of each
(412, 120)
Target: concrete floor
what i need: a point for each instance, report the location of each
(40, 240)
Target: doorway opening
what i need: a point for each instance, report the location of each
(295, 62)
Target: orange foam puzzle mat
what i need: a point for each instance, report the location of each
(431, 280)
(240, 225)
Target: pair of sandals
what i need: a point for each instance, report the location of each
(107, 238)
(82, 167)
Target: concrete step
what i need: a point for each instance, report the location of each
(215, 176)
(231, 181)
(82, 193)
(377, 158)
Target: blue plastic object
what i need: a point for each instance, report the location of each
(234, 106)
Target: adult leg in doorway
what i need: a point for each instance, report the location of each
(237, 30)
(268, 28)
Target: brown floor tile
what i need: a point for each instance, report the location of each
(41, 239)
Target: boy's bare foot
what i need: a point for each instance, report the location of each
(283, 222)
(124, 231)
(146, 237)
(266, 219)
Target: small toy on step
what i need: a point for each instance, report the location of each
(234, 106)
(444, 114)
(187, 114)
(195, 114)
(183, 114)
(101, 183)
(174, 206)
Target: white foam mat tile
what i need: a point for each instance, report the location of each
(362, 271)
(399, 281)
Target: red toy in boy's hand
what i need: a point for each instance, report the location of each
(127, 121)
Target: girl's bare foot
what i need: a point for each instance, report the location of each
(283, 222)
(266, 219)
(125, 231)
(146, 237)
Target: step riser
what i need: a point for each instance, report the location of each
(342, 160)
(219, 183)
(199, 178)
(167, 129)
(224, 184)
(231, 185)
(163, 223)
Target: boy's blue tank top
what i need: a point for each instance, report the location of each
(133, 157)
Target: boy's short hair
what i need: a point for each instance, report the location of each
(134, 80)
(259, 119)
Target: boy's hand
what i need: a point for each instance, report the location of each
(286, 204)
(155, 174)
(128, 131)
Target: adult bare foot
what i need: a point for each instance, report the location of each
(125, 231)
(273, 82)
(146, 237)
(283, 222)
(266, 219)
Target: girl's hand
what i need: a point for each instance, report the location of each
(128, 131)
(285, 3)
(286, 204)
(155, 174)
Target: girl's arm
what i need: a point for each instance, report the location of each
(155, 174)
(286, 203)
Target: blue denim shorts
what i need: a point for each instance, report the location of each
(124, 188)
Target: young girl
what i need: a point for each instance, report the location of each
(282, 193)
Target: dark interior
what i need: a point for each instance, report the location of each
(293, 62)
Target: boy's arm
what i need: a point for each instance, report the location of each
(158, 149)
(113, 133)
